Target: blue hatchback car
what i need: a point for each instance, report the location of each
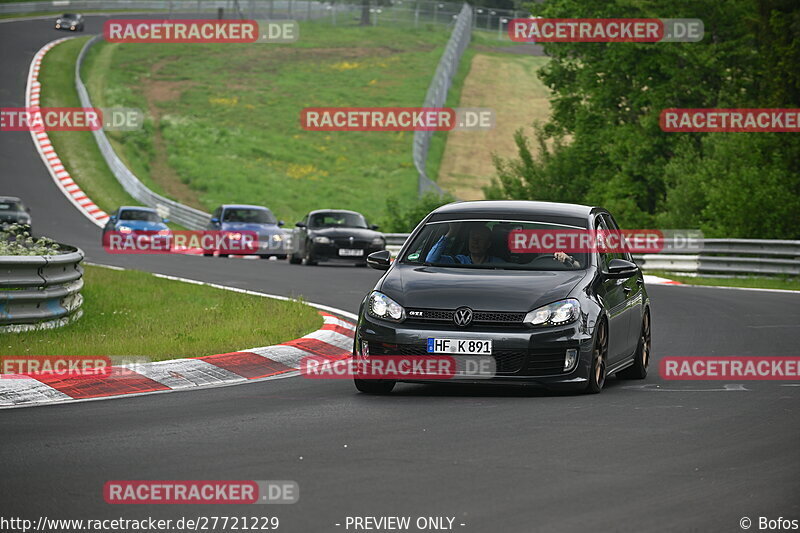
(272, 240)
(135, 220)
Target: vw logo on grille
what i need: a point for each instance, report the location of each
(463, 316)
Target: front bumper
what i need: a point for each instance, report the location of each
(330, 252)
(521, 355)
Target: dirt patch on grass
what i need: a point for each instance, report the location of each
(158, 92)
(509, 86)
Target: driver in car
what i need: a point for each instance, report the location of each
(480, 240)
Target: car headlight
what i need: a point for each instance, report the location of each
(124, 229)
(381, 306)
(377, 241)
(277, 238)
(554, 314)
(321, 240)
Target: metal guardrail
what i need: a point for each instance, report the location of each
(724, 257)
(40, 292)
(730, 257)
(437, 94)
(188, 217)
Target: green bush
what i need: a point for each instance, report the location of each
(17, 240)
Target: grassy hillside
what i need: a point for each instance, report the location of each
(224, 119)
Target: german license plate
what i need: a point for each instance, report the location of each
(460, 346)
(350, 253)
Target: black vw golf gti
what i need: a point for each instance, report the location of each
(561, 319)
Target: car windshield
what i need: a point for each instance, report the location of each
(488, 244)
(69, 16)
(337, 220)
(249, 216)
(138, 214)
(11, 206)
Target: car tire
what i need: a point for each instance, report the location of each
(597, 372)
(307, 261)
(223, 255)
(374, 386)
(208, 254)
(295, 260)
(641, 358)
(280, 257)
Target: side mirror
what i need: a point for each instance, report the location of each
(381, 260)
(300, 225)
(374, 227)
(165, 220)
(112, 218)
(215, 220)
(621, 269)
(281, 223)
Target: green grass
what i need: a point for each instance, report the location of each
(77, 149)
(135, 313)
(776, 282)
(228, 116)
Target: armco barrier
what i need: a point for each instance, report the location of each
(38, 292)
(437, 94)
(726, 257)
(189, 217)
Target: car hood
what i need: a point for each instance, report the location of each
(482, 289)
(359, 233)
(260, 229)
(141, 225)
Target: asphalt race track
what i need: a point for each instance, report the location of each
(641, 456)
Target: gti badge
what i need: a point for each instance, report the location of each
(463, 316)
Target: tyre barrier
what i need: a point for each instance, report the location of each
(40, 292)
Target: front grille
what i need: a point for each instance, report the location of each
(506, 361)
(345, 243)
(484, 318)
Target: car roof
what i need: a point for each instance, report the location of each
(136, 208)
(10, 199)
(244, 206)
(334, 211)
(512, 207)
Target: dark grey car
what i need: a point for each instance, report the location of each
(557, 320)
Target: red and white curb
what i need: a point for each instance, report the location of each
(334, 341)
(45, 148)
(657, 280)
